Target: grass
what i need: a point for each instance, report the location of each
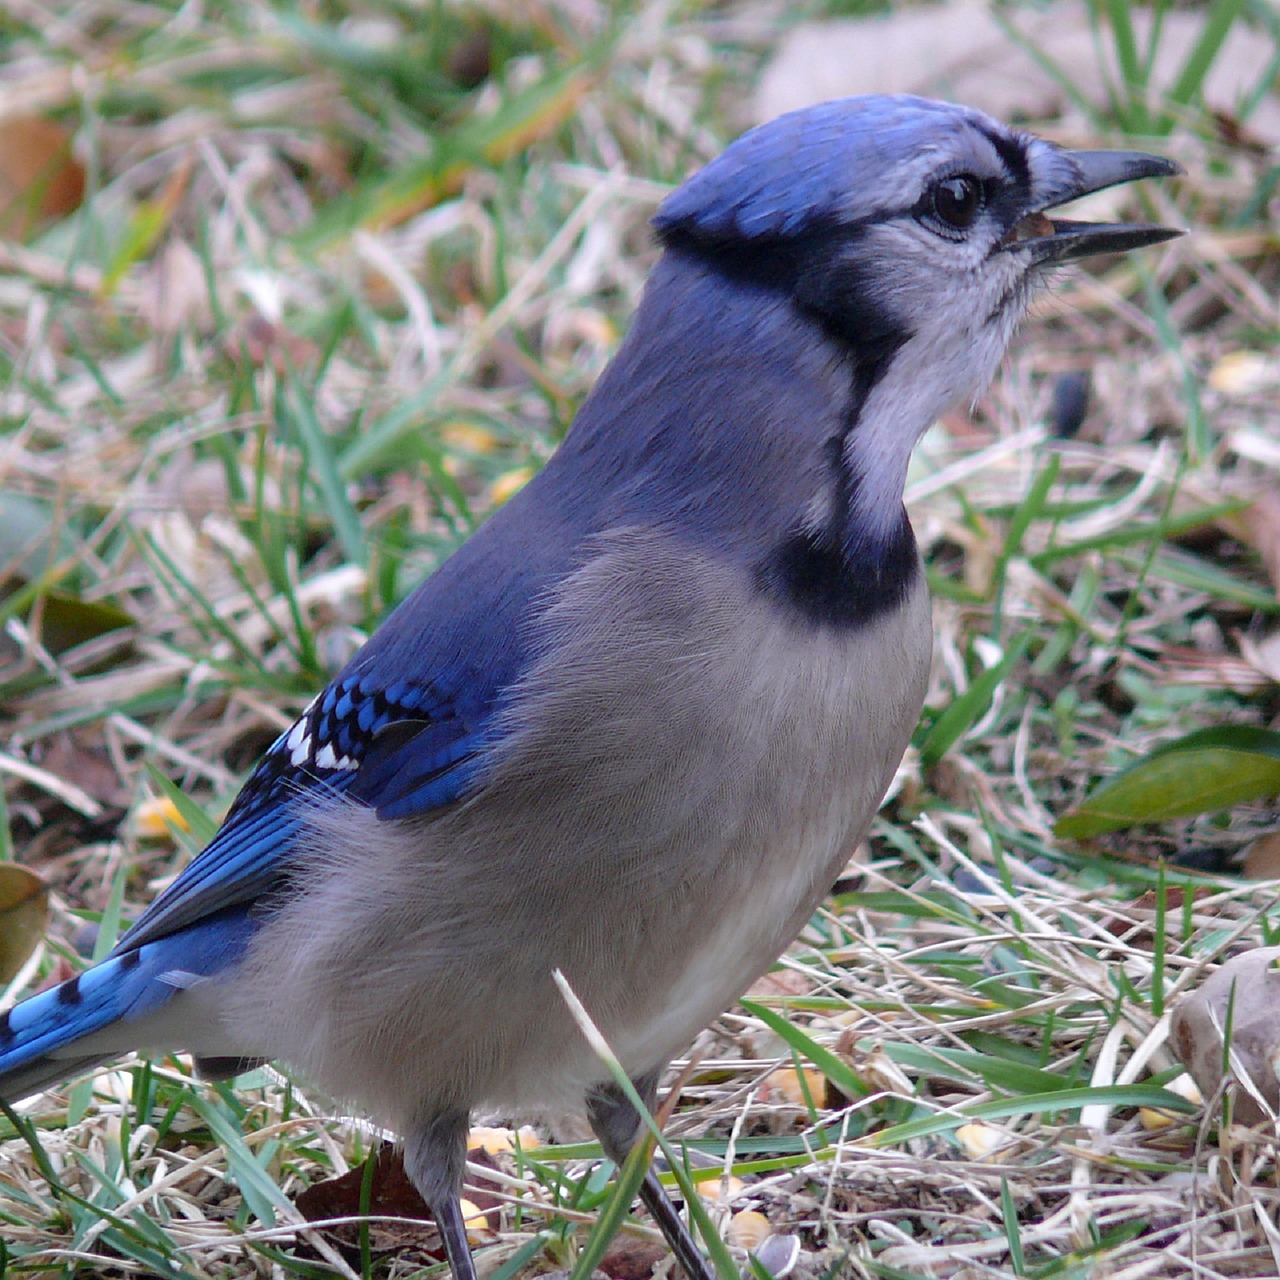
(334, 289)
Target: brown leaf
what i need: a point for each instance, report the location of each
(1258, 526)
(392, 1195)
(24, 916)
(1137, 926)
(39, 177)
(780, 982)
(1262, 859)
(76, 757)
(632, 1258)
(1243, 993)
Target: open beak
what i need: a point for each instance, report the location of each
(1052, 240)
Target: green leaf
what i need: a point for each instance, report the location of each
(616, 1209)
(323, 466)
(67, 621)
(263, 1197)
(1205, 771)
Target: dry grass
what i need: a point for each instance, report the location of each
(261, 381)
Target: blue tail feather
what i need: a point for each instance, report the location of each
(48, 1037)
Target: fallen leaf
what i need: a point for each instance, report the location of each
(748, 1229)
(1262, 858)
(787, 1085)
(1240, 373)
(77, 757)
(1243, 994)
(469, 437)
(632, 1258)
(391, 1194)
(477, 1222)
(40, 179)
(721, 1188)
(1258, 526)
(24, 917)
(508, 484)
(157, 818)
(1202, 772)
(780, 982)
(981, 1141)
(499, 1142)
(1184, 1086)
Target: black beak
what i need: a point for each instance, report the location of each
(1052, 240)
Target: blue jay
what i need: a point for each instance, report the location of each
(634, 728)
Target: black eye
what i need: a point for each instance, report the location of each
(956, 202)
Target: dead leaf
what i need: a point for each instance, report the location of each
(1262, 858)
(632, 1258)
(1137, 925)
(391, 1192)
(786, 1085)
(781, 982)
(78, 758)
(39, 177)
(1242, 373)
(393, 1195)
(1244, 994)
(24, 916)
(1258, 526)
(981, 1141)
(748, 1229)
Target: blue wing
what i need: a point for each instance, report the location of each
(402, 748)
(407, 727)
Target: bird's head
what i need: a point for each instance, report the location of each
(914, 231)
(901, 221)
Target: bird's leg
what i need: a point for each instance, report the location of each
(616, 1123)
(435, 1153)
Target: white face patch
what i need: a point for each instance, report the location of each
(960, 304)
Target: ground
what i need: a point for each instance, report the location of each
(290, 300)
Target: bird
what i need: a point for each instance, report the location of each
(633, 728)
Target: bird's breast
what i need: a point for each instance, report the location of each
(720, 756)
(683, 772)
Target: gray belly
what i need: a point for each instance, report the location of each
(658, 827)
